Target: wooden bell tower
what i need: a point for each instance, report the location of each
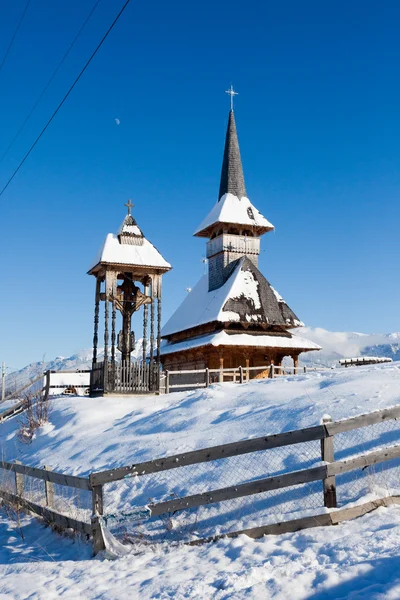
(128, 271)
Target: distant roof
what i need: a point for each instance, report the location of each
(223, 338)
(245, 297)
(231, 209)
(143, 255)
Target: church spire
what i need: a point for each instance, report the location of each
(232, 179)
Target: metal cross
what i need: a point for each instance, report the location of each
(232, 93)
(129, 205)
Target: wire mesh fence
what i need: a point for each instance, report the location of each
(381, 479)
(229, 515)
(69, 501)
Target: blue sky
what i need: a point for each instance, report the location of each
(317, 116)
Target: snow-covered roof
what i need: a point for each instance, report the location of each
(144, 255)
(222, 338)
(245, 297)
(231, 209)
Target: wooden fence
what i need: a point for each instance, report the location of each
(22, 405)
(202, 378)
(325, 472)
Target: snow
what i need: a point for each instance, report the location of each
(234, 210)
(222, 338)
(357, 560)
(201, 306)
(114, 252)
(80, 381)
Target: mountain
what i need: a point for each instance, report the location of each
(341, 344)
(335, 345)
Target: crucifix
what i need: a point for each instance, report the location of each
(129, 205)
(232, 93)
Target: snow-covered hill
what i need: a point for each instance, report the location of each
(97, 433)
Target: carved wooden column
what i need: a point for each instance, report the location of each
(145, 322)
(158, 320)
(96, 320)
(106, 328)
(151, 332)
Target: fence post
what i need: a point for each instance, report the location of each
(19, 482)
(97, 499)
(327, 455)
(49, 489)
(271, 371)
(240, 374)
(97, 508)
(207, 377)
(167, 382)
(305, 369)
(221, 370)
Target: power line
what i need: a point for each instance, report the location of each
(48, 83)
(15, 35)
(66, 96)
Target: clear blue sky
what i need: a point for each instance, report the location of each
(319, 129)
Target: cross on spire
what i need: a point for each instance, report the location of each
(232, 93)
(129, 205)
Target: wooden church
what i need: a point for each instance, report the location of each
(233, 316)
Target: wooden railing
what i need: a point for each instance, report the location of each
(325, 472)
(233, 375)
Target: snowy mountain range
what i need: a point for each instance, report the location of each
(335, 345)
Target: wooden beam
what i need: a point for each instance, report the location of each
(320, 520)
(209, 454)
(366, 460)
(49, 515)
(239, 491)
(68, 480)
(363, 420)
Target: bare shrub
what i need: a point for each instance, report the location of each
(36, 414)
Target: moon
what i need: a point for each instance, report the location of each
(117, 121)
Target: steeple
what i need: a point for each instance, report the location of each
(232, 179)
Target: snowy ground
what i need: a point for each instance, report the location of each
(95, 434)
(356, 560)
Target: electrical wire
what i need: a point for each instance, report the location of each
(48, 83)
(15, 35)
(66, 96)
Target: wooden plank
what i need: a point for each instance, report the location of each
(187, 385)
(320, 520)
(363, 420)
(25, 387)
(48, 515)
(366, 460)
(52, 476)
(209, 454)
(239, 491)
(13, 411)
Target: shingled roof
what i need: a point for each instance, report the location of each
(233, 206)
(232, 178)
(246, 297)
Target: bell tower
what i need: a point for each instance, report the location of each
(128, 272)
